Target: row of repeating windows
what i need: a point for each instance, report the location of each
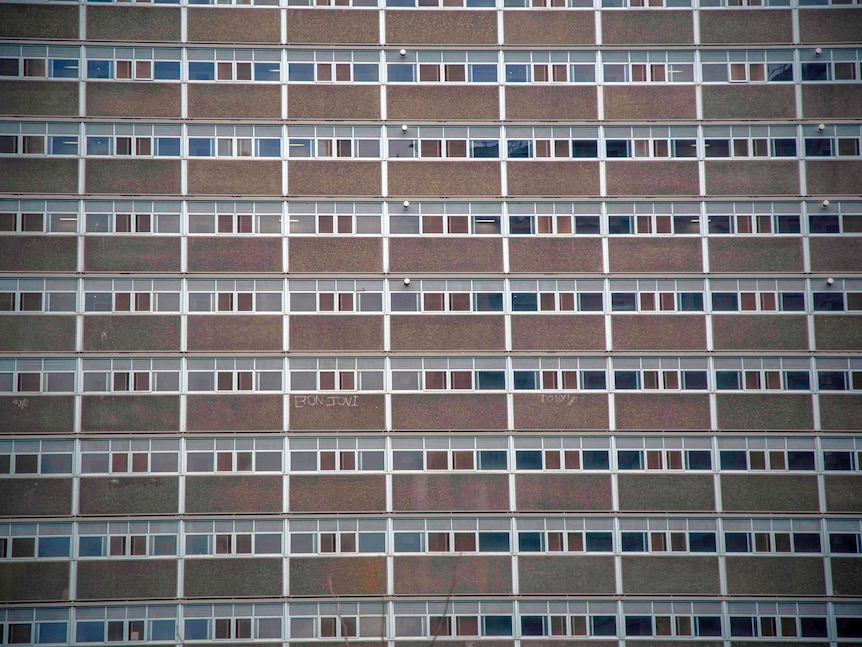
(492, 4)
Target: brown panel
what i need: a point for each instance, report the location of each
(773, 411)
(130, 413)
(566, 576)
(558, 332)
(755, 254)
(333, 101)
(443, 102)
(439, 27)
(235, 177)
(235, 332)
(333, 254)
(232, 577)
(660, 492)
(831, 101)
(662, 411)
(746, 26)
(847, 576)
(25, 412)
(447, 178)
(336, 332)
(645, 254)
(840, 412)
(227, 253)
(237, 494)
(326, 576)
(449, 411)
(329, 177)
(749, 101)
(764, 575)
(37, 175)
(676, 575)
(768, 493)
(330, 26)
(555, 254)
(563, 492)
(652, 178)
(228, 25)
(647, 27)
(537, 27)
(833, 176)
(42, 497)
(447, 332)
(550, 102)
(112, 99)
(650, 102)
(34, 581)
(458, 575)
(133, 177)
(737, 177)
(837, 333)
(242, 100)
(553, 178)
(34, 21)
(659, 332)
(38, 333)
(831, 26)
(561, 411)
(832, 253)
(233, 411)
(123, 579)
(321, 411)
(129, 495)
(132, 253)
(760, 332)
(445, 254)
(843, 492)
(34, 98)
(133, 23)
(450, 492)
(38, 253)
(138, 332)
(337, 493)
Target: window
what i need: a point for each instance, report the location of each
(432, 374)
(122, 375)
(835, 218)
(459, 618)
(110, 624)
(757, 295)
(440, 67)
(37, 375)
(234, 141)
(750, 141)
(558, 218)
(325, 142)
(105, 217)
(31, 61)
(450, 142)
(341, 295)
(35, 540)
(753, 217)
(232, 218)
(833, 374)
(128, 539)
(342, 454)
(327, 66)
(336, 621)
(132, 295)
(648, 67)
(451, 218)
(334, 374)
(832, 141)
(451, 536)
(831, 65)
(328, 218)
(346, 536)
(750, 66)
(655, 218)
(550, 67)
(650, 142)
(234, 455)
(231, 296)
(138, 140)
(441, 454)
(133, 64)
(39, 216)
(33, 138)
(240, 537)
(226, 65)
(19, 457)
(558, 142)
(755, 374)
(38, 295)
(428, 295)
(229, 374)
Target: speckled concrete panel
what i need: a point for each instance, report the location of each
(122, 579)
(660, 492)
(773, 493)
(38, 333)
(34, 581)
(336, 332)
(234, 494)
(42, 497)
(118, 332)
(453, 102)
(749, 101)
(328, 576)
(550, 102)
(772, 643)
(662, 411)
(677, 575)
(34, 21)
(840, 412)
(760, 332)
(235, 332)
(448, 575)
(833, 26)
(832, 253)
(659, 332)
(228, 25)
(595, 642)
(555, 254)
(240, 101)
(132, 253)
(331, 254)
(847, 575)
(129, 495)
(232, 577)
(537, 27)
(38, 175)
(766, 575)
(130, 413)
(565, 575)
(432, 27)
(310, 101)
(831, 101)
(112, 99)
(843, 492)
(26, 412)
(133, 177)
(563, 492)
(449, 492)
(235, 177)
(38, 253)
(330, 177)
(755, 254)
(834, 177)
(235, 411)
(561, 411)
(325, 411)
(337, 493)
(643, 254)
(558, 332)
(445, 332)
(330, 26)
(650, 102)
(234, 254)
(737, 177)
(647, 27)
(445, 255)
(746, 26)
(444, 179)
(837, 333)
(33, 98)
(133, 23)
(553, 178)
(448, 410)
(768, 412)
(652, 178)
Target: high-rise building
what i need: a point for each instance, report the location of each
(499, 323)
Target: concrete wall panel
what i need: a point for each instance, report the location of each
(445, 255)
(235, 332)
(38, 175)
(447, 575)
(760, 332)
(133, 176)
(769, 412)
(138, 332)
(644, 254)
(337, 493)
(235, 177)
(563, 492)
(755, 255)
(447, 178)
(832, 253)
(767, 575)
(631, 177)
(768, 493)
(333, 101)
(330, 26)
(235, 254)
(325, 411)
(43, 497)
(239, 101)
(123, 579)
(636, 102)
(432, 27)
(833, 177)
(235, 412)
(37, 333)
(25, 581)
(232, 577)
(550, 102)
(561, 411)
(675, 575)
(453, 102)
(567, 575)
(838, 25)
(745, 26)
(234, 494)
(553, 178)
(536, 26)
(129, 495)
(828, 101)
(442, 332)
(113, 99)
(132, 253)
(133, 23)
(661, 492)
(749, 101)
(38, 253)
(738, 177)
(38, 21)
(447, 411)
(34, 412)
(34, 98)
(330, 177)
(336, 332)
(328, 576)
(449, 492)
(661, 411)
(130, 413)
(558, 332)
(333, 254)
(659, 332)
(647, 27)
(840, 412)
(234, 25)
(843, 492)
